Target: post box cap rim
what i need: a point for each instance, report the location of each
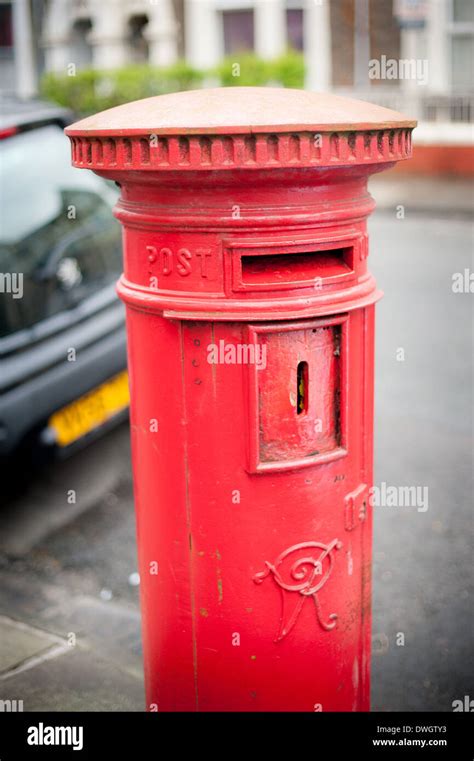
(239, 110)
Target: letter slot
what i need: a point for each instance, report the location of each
(271, 270)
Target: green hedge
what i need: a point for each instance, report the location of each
(92, 90)
(247, 70)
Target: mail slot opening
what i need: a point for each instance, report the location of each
(301, 388)
(296, 269)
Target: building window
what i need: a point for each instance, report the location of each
(137, 44)
(294, 26)
(462, 44)
(6, 35)
(238, 31)
(463, 11)
(81, 50)
(384, 37)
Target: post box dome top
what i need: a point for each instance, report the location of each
(234, 127)
(239, 110)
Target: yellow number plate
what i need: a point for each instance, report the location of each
(91, 410)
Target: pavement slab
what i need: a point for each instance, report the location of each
(78, 680)
(23, 645)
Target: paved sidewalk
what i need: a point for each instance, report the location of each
(68, 653)
(437, 196)
(69, 617)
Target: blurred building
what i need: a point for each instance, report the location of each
(415, 56)
(102, 33)
(108, 33)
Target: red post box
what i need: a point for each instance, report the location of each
(250, 319)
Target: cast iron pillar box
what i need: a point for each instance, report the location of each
(250, 318)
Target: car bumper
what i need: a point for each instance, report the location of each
(25, 408)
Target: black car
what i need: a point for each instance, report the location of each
(62, 336)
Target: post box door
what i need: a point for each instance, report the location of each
(297, 394)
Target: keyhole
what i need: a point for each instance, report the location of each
(302, 387)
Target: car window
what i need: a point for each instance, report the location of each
(56, 227)
(38, 184)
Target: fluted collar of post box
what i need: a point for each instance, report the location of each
(240, 128)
